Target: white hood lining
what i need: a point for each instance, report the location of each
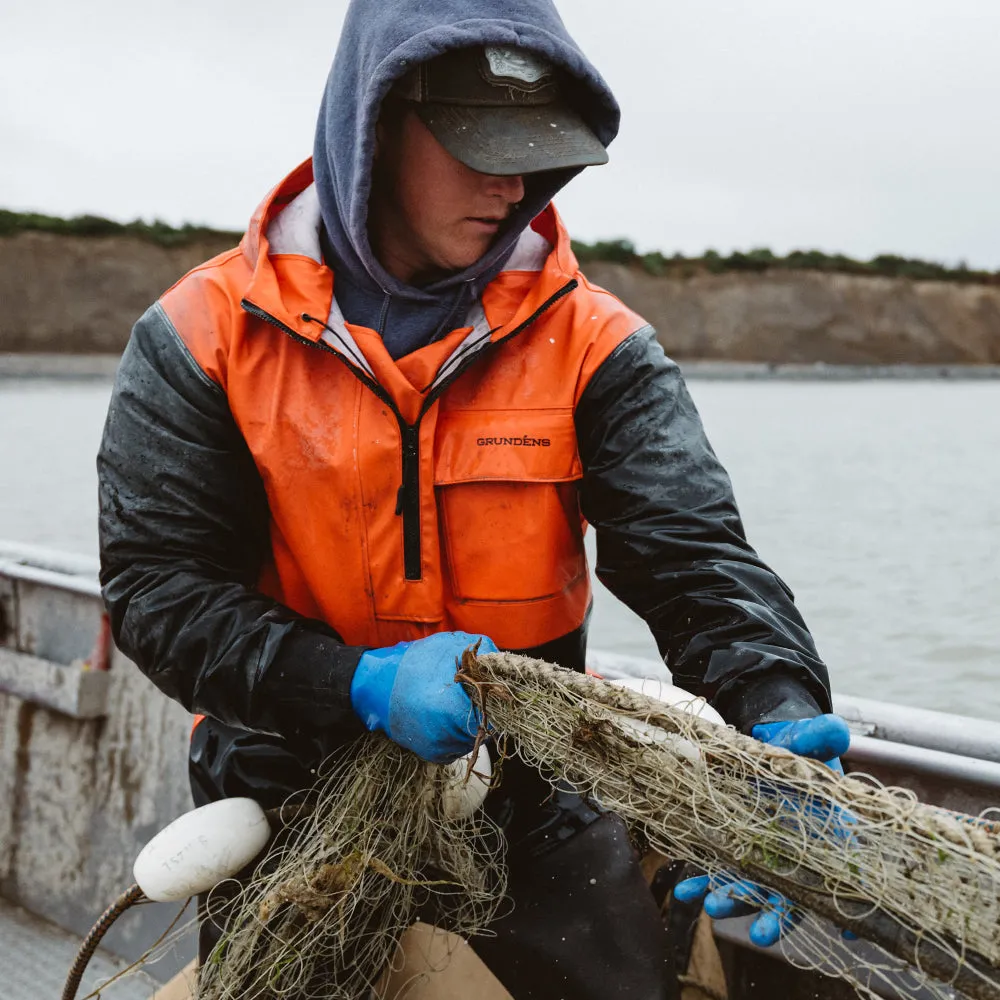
(297, 226)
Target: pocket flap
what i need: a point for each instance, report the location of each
(506, 446)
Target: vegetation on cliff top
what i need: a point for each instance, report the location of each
(93, 225)
(759, 260)
(609, 251)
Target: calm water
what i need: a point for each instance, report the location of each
(878, 502)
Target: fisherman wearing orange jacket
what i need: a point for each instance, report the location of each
(374, 433)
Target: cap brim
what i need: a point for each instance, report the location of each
(506, 141)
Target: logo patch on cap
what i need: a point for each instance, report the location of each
(517, 64)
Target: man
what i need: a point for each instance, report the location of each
(338, 454)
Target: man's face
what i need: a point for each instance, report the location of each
(430, 213)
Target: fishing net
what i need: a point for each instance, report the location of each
(381, 843)
(921, 885)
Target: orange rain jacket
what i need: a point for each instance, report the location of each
(278, 494)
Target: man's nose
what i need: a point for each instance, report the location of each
(511, 189)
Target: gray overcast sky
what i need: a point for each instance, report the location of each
(861, 126)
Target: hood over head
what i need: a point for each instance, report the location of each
(380, 43)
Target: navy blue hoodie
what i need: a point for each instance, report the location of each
(381, 40)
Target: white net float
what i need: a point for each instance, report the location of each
(464, 790)
(200, 849)
(675, 697)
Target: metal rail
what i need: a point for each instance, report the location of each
(62, 570)
(921, 727)
(919, 761)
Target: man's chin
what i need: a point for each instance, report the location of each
(470, 254)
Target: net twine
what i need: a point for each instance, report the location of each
(375, 848)
(920, 882)
(324, 913)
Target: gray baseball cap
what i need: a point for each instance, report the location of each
(501, 110)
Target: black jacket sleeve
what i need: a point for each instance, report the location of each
(670, 545)
(183, 532)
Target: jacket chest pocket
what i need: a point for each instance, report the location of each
(506, 489)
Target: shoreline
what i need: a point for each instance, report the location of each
(748, 371)
(59, 366)
(104, 366)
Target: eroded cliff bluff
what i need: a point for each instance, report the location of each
(82, 294)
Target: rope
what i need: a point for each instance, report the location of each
(125, 901)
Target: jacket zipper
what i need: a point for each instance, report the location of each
(408, 496)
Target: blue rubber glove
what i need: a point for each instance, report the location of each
(823, 738)
(409, 692)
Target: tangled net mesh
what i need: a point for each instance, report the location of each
(376, 847)
(921, 885)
